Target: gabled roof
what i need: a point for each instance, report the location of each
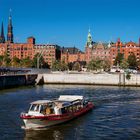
(131, 43)
(71, 50)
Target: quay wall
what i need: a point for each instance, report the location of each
(118, 79)
(9, 81)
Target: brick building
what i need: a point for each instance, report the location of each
(29, 49)
(109, 51)
(51, 52)
(125, 48)
(72, 54)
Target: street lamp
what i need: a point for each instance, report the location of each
(39, 56)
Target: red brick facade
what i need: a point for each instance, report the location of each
(51, 53)
(104, 51)
(29, 49)
(72, 55)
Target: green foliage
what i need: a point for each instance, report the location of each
(15, 62)
(6, 60)
(42, 63)
(106, 65)
(124, 64)
(56, 66)
(70, 65)
(132, 61)
(138, 65)
(64, 66)
(26, 62)
(76, 66)
(128, 76)
(119, 59)
(95, 65)
(59, 66)
(1, 60)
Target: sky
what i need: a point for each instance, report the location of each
(66, 22)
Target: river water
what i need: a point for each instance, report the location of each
(116, 115)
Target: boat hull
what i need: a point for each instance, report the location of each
(41, 123)
(37, 122)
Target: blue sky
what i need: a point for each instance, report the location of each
(66, 22)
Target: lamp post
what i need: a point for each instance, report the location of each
(39, 56)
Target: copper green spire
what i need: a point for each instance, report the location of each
(89, 39)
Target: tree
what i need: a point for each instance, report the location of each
(95, 64)
(119, 59)
(124, 64)
(64, 66)
(26, 62)
(1, 60)
(41, 61)
(92, 65)
(106, 65)
(70, 65)
(56, 65)
(6, 60)
(132, 61)
(15, 62)
(138, 65)
(76, 66)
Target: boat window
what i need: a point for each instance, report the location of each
(63, 110)
(34, 107)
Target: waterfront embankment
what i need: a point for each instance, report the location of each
(117, 79)
(9, 81)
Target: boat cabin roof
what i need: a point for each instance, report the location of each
(70, 98)
(62, 101)
(61, 104)
(41, 102)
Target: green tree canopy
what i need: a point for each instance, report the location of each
(56, 65)
(41, 61)
(59, 65)
(26, 62)
(124, 64)
(76, 66)
(132, 61)
(1, 60)
(15, 62)
(6, 60)
(106, 65)
(94, 64)
(119, 59)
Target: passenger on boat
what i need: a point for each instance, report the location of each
(48, 111)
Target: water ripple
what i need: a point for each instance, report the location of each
(116, 115)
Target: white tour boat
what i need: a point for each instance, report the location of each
(45, 113)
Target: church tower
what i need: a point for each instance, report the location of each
(89, 47)
(2, 37)
(10, 30)
(89, 40)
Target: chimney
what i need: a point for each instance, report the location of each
(31, 40)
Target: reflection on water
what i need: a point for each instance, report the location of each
(116, 116)
(59, 132)
(49, 134)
